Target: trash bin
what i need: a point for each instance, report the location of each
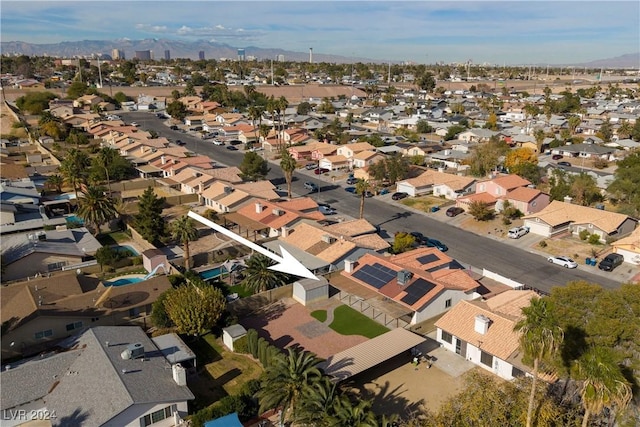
(435, 208)
(594, 261)
(587, 261)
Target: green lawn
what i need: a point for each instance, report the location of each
(113, 238)
(240, 290)
(319, 315)
(347, 321)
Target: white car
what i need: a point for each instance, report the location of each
(517, 232)
(134, 124)
(564, 261)
(218, 142)
(326, 210)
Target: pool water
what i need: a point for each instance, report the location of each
(125, 281)
(126, 248)
(66, 196)
(213, 273)
(74, 218)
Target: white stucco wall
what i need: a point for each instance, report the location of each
(131, 416)
(437, 305)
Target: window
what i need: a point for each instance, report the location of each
(486, 359)
(44, 334)
(157, 416)
(75, 325)
(447, 337)
(447, 303)
(515, 372)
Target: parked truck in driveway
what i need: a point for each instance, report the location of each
(517, 232)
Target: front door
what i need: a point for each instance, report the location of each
(461, 347)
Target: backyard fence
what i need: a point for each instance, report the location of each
(247, 305)
(380, 316)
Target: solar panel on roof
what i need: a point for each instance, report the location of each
(417, 290)
(426, 259)
(410, 299)
(375, 275)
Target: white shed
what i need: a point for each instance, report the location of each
(306, 291)
(231, 334)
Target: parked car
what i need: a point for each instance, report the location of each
(564, 261)
(351, 190)
(134, 124)
(218, 142)
(399, 196)
(180, 142)
(517, 232)
(383, 191)
(320, 171)
(564, 164)
(173, 127)
(368, 194)
(429, 242)
(326, 210)
(556, 156)
(610, 262)
(454, 211)
(310, 166)
(351, 180)
(232, 148)
(310, 186)
(235, 142)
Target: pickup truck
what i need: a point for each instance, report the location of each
(517, 232)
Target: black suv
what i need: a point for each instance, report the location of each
(610, 262)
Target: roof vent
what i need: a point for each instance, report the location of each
(482, 323)
(326, 238)
(404, 276)
(133, 351)
(278, 212)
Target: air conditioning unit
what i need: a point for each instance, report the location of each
(278, 212)
(404, 276)
(326, 238)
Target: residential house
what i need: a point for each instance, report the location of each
(483, 332)
(350, 150)
(273, 216)
(366, 158)
(629, 247)
(105, 376)
(38, 253)
(586, 151)
(561, 217)
(40, 312)
(336, 162)
(477, 135)
(424, 281)
(437, 183)
(23, 191)
(224, 197)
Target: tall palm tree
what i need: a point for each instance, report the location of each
(287, 380)
(288, 165)
(258, 276)
(184, 230)
(540, 338)
(105, 158)
(604, 385)
(96, 208)
(74, 168)
(538, 134)
(362, 187)
(354, 415)
(317, 404)
(55, 181)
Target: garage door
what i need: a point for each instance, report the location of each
(406, 188)
(539, 228)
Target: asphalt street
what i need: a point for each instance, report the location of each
(519, 264)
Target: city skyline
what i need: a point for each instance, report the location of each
(509, 32)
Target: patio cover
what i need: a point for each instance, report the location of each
(244, 222)
(373, 352)
(230, 420)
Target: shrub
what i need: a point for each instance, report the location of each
(136, 260)
(241, 345)
(542, 244)
(600, 163)
(480, 211)
(506, 220)
(594, 239)
(584, 234)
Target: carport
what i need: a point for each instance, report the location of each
(249, 227)
(373, 352)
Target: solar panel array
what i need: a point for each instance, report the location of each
(417, 290)
(375, 275)
(426, 259)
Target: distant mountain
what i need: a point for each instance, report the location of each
(212, 50)
(176, 48)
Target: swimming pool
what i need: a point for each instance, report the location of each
(66, 196)
(74, 218)
(213, 273)
(126, 248)
(125, 280)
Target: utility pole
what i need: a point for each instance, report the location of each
(272, 81)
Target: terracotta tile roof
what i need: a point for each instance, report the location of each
(431, 177)
(511, 303)
(630, 243)
(557, 213)
(412, 258)
(304, 236)
(351, 228)
(509, 182)
(357, 147)
(338, 158)
(455, 279)
(371, 241)
(229, 174)
(300, 204)
(523, 194)
(477, 197)
(273, 220)
(365, 155)
(336, 251)
(262, 189)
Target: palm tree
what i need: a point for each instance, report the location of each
(184, 230)
(287, 380)
(362, 187)
(258, 276)
(604, 385)
(540, 338)
(317, 403)
(538, 134)
(354, 415)
(105, 159)
(288, 165)
(95, 208)
(55, 181)
(74, 168)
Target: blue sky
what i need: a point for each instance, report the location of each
(511, 32)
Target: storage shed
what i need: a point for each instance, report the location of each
(231, 334)
(307, 291)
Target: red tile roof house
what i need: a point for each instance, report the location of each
(274, 216)
(482, 332)
(424, 280)
(437, 183)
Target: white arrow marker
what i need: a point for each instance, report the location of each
(285, 264)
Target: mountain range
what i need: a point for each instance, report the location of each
(213, 50)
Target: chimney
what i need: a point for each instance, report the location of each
(286, 231)
(482, 324)
(568, 199)
(259, 207)
(179, 374)
(277, 212)
(163, 159)
(349, 265)
(326, 238)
